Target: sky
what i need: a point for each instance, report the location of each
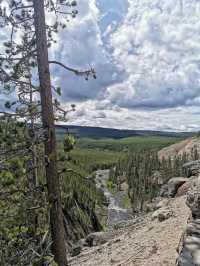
(147, 58)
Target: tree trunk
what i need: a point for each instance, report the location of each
(54, 193)
(32, 166)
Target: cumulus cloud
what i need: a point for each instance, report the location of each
(158, 46)
(81, 46)
(147, 57)
(180, 119)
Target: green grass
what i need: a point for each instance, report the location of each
(135, 144)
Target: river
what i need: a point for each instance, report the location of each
(116, 213)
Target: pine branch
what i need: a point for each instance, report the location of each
(76, 71)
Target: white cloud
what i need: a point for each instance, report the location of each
(81, 46)
(147, 57)
(93, 113)
(158, 47)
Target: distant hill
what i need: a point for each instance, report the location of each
(99, 132)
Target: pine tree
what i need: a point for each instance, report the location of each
(31, 52)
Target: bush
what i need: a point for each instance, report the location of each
(6, 178)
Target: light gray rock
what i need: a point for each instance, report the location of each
(82, 242)
(193, 202)
(192, 168)
(185, 258)
(193, 229)
(162, 214)
(153, 204)
(196, 256)
(170, 189)
(190, 253)
(163, 203)
(192, 164)
(164, 191)
(98, 238)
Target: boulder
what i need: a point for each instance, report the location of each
(170, 189)
(193, 228)
(190, 255)
(76, 250)
(182, 190)
(149, 207)
(98, 238)
(191, 183)
(164, 191)
(162, 214)
(193, 202)
(153, 204)
(192, 168)
(163, 203)
(173, 185)
(82, 242)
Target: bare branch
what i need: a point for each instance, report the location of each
(76, 71)
(18, 8)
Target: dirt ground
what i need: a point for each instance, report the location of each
(148, 243)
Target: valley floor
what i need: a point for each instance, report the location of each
(146, 243)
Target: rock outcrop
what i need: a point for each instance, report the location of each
(192, 168)
(191, 183)
(173, 185)
(170, 189)
(98, 238)
(179, 186)
(189, 253)
(163, 210)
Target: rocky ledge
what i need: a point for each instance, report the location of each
(189, 246)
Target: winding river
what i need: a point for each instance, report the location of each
(116, 214)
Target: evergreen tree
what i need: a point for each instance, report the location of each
(30, 53)
(144, 172)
